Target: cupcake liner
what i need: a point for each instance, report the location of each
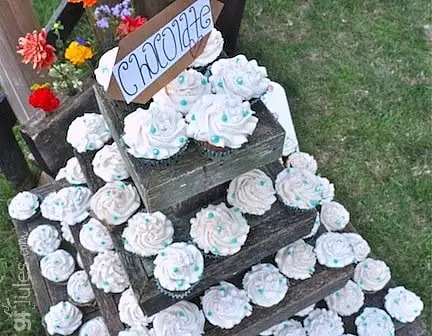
(175, 295)
(92, 303)
(214, 154)
(292, 208)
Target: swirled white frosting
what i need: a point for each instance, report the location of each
(23, 206)
(130, 311)
(182, 318)
(402, 304)
(57, 266)
(299, 188)
(264, 285)
(95, 327)
(184, 91)
(334, 250)
(212, 49)
(239, 77)
(302, 160)
(109, 165)
(94, 236)
(360, 246)
(51, 208)
(179, 266)
(105, 67)
(137, 331)
(115, 202)
(306, 311)
(219, 230)
(347, 300)
(157, 133)
(72, 172)
(373, 322)
(107, 273)
(315, 227)
(334, 216)
(323, 322)
(44, 239)
(67, 233)
(148, 233)
(88, 132)
(252, 192)
(372, 275)
(79, 288)
(297, 260)
(63, 319)
(221, 120)
(225, 305)
(286, 328)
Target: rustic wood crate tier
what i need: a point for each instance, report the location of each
(161, 188)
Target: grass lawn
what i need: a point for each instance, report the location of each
(358, 76)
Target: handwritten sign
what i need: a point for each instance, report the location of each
(166, 45)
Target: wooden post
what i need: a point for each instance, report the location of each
(229, 23)
(12, 161)
(150, 8)
(17, 19)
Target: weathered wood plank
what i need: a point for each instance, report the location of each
(161, 188)
(85, 160)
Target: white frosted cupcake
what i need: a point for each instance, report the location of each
(95, 237)
(211, 51)
(109, 165)
(252, 192)
(24, 206)
(79, 289)
(177, 268)
(107, 273)
(346, 301)
(315, 227)
(402, 304)
(302, 160)
(220, 122)
(225, 305)
(286, 328)
(297, 260)
(182, 318)
(130, 312)
(305, 312)
(105, 67)
(94, 327)
(300, 189)
(137, 331)
(239, 77)
(334, 216)
(334, 250)
(67, 233)
(51, 207)
(57, 266)
(264, 285)
(72, 172)
(372, 275)
(360, 246)
(115, 202)
(156, 135)
(44, 239)
(184, 91)
(219, 230)
(323, 322)
(88, 132)
(148, 233)
(373, 322)
(63, 319)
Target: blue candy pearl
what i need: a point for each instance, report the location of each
(215, 139)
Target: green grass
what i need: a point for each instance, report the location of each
(359, 82)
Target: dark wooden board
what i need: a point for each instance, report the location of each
(46, 292)
(163, 187)
(85, 161)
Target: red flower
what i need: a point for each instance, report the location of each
(35, 49)
(44, 98)
(130, 24)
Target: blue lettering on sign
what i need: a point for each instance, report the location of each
(142, 66)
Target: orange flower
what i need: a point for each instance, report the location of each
(35, 50)
(87, 3)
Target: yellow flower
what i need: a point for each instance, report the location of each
(78, 53)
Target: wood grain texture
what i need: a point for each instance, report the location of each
(163, 187)
(85, 161)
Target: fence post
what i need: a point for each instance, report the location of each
(17, 19)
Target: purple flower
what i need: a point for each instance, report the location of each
(102, 11)
(116, 10)
(103, 23)
(125, 12)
